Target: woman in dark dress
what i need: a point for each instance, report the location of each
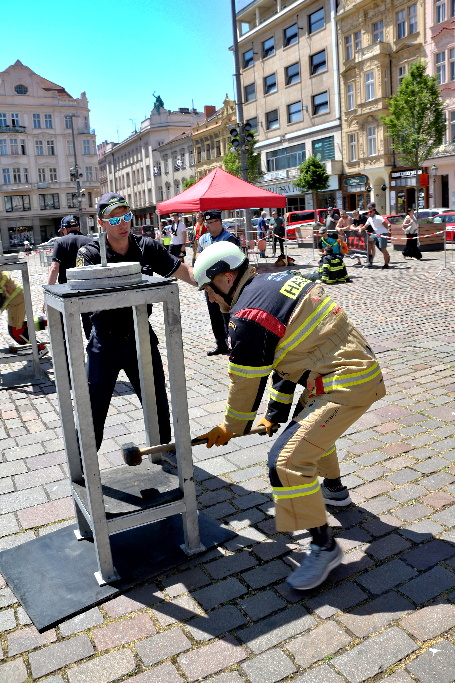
(411, 228)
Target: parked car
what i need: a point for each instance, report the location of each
(449, 220)
(395, 219)
(293, 218)
(49, 245)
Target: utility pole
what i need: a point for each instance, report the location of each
(240, 119)
(74, 174)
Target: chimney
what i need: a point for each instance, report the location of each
(209, 110)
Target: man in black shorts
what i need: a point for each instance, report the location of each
(112, 345)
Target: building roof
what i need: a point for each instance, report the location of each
(44, 83)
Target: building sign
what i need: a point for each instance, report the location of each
(276, 175)
(408, 173)
(354, 181)
(324, 148)
(283, 188)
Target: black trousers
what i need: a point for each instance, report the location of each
(281, 243)
(219, 323)
(107, 354)
(176, 249)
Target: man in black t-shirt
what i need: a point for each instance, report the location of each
(65, 249)
(112, 345)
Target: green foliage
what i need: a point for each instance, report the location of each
(188, 182)
(231, 163)
(313, 176)
(416, 122)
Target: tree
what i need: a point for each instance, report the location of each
(416, 122)
(188, 182)
(231, 163)
(313, 177)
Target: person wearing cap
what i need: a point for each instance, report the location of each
(218, 320)
(65, 249)
(112, 344)
(279, 233)
(178, 237)
(380, 234)
(283, 325)
(331, 219)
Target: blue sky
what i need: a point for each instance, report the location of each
(121, 52)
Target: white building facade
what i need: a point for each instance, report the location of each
(36, 155)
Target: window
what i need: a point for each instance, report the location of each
(295, 112)
(16, 175)
(3, 147)
(440, 11)
(292, 73)
(248, 59)
(15, 120)
(68, 123)
(85, 146)
(452, 63)
(23, 150)
(324, 148)
(53, 175)
(401, 24)
(316, 21)
(386, 83)
(452, 126)
(371, 141)
(290, 35)
(6, 176)
(378, 31)
(369, 86)
(318, 62)
(253, 123)
(25, 174)
(250, 92)
(41, 175)
(3, 120)
(350, 96)
(269, 84)
(49, 201)
(352, 146)
(441, 67)
(69, 147)
(321, 103)
(401, 73)
(17, 202)
(217, 148)
(71, 202)
(268, 47)
(39, 147)
(50, 148)
(412, 19)
(358, 40)
(90, 199)
(348, 48)
(207, 154)
(286, 157)
(272, 120)
(36, 120)
(20, 89)
(13, 146)
(48, 121)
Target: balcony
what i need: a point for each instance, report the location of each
(373, 51)
(12, 129)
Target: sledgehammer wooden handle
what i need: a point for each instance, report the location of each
(132, 455)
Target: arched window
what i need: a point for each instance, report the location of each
(20, 89)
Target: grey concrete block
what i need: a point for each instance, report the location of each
(436, 664)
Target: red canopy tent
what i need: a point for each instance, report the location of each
(221, 190)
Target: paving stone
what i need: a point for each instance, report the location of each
(388, 546)
(248, 473)
(407, 493)
(46, 513)
(232, 564)
(28, 638)
(38, 477)
(420, 531)
(164, 673)
(429, 585)
(411, 513)
(374, 615)
(262, 604)
(185, 581)
(266, 574)
(7, 620)
(245, 518)
(321, 642)
(10, 502)
(230, 677)
(162, 645)
(429, 554)
(103, 669)
(134, 600)
(446, 517)
(436, 664)
(272, 548)
(23, 451)
(251, 500)
(375, 655)
(277, 628)
(8, 524)
(56, 656)
(213, 624)
(401, 477)
(220, 511)
(378, 505)
(179, 609)
(17, 539)
(330, 602)
(121, 632)
(9, 469)
(354, 562)
(13, 672)
(81, 622)
(220, 592)
(430, 465)
(430, 622)
(438, 499)
(268, 667)
(212, 658)
(386, 576)
(399, 677)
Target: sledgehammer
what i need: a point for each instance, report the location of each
(132, 455)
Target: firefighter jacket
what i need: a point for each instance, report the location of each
(286, 326)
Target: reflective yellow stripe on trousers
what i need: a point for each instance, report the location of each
(239, 416)
(331, 383)
(295, 491)
(304, 330)
(280, 397)
(249, 370)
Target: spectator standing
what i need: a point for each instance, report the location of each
(178, 237)
(262, 230)
(331, 219)
(358, 221)
(278, 232)
(411, 228)
(199, 230)
(381, 232)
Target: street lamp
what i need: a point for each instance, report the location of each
(434, 170)
(74, 173)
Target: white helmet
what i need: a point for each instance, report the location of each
(219, 257)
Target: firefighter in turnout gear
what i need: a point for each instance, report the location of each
(12, 300)
(284, 326)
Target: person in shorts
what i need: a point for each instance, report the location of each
(380, 233)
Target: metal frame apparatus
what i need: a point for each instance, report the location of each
(27, 353)
(64, 308)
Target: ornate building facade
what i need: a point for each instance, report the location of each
(211, 137)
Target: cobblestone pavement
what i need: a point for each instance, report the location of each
(386, 613)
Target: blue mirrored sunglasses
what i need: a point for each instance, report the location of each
(116, 221)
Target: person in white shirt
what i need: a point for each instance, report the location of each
(178, 237)
(380, 229)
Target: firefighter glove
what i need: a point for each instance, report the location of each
(270, 427)
(218, 436)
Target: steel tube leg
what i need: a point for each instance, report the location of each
(86, 433)
(30, 321)
(180, 418)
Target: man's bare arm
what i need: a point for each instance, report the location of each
(185, 273)
(53, 273)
